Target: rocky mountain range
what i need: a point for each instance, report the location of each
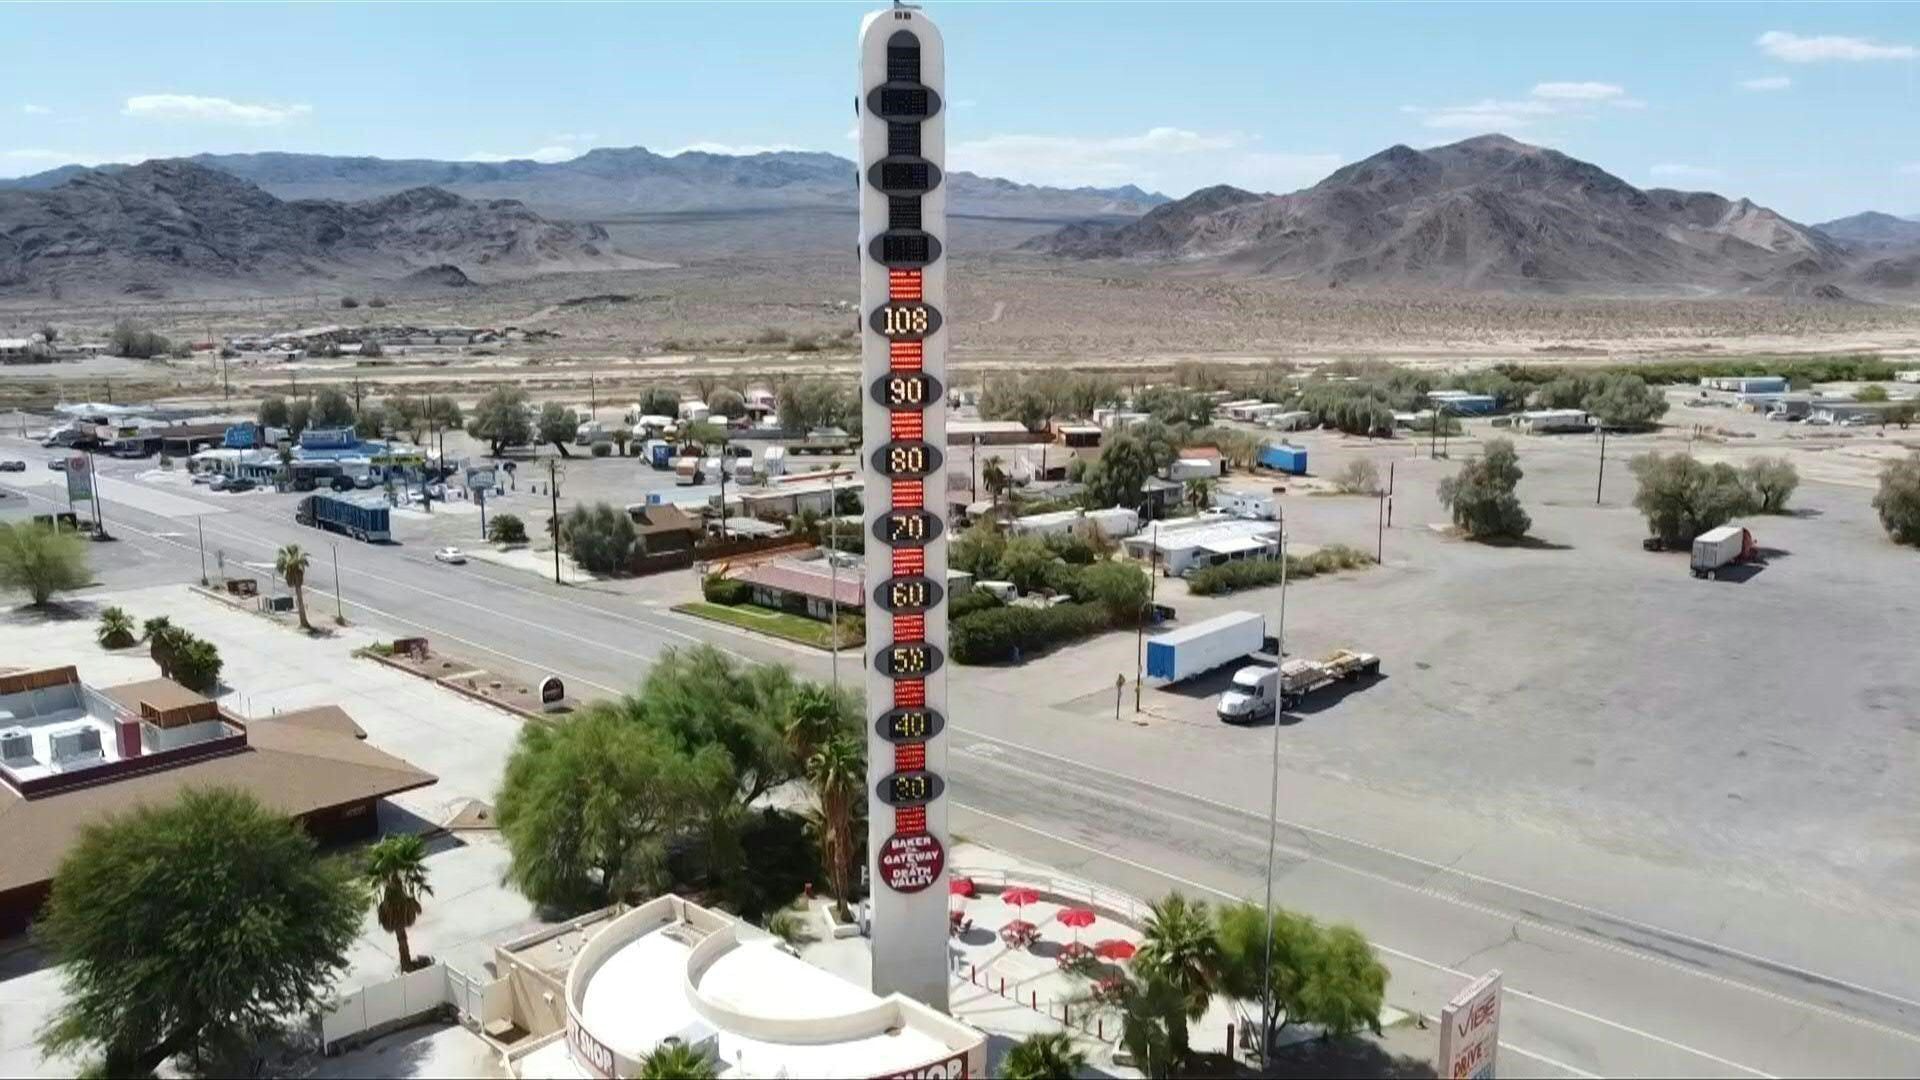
(1487, 213)
(611, 182)
(1874, 231)
(175, 227)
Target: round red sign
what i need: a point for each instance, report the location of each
(911, 862)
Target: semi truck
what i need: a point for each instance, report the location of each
(1720, 547)
(363, 517)
(1257, 690)
(1204, 646)
(660, 453)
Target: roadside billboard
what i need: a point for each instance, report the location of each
(79, 478)
(1470, 1030)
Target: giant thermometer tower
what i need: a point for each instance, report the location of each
(903, 289)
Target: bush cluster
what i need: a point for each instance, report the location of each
(1008, 632)
(1252, 574)
(723, 590)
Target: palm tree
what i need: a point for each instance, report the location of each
(837, 772)
(397, 870)
(116, 629)
(1200, 494)
(291, 564)
(162, 639)
(1047, 1056)
(995, 477)
(812, 719)
(677, 1061)
(1178, 944)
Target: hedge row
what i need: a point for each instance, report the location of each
(720, 590)
(1008, 633)
(1227, 577)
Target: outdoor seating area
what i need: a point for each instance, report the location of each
(1048, 945)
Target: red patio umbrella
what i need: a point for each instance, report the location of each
(960, 886)
(1020, 896)
(1077, 917)
(1018, 929)
(1115, 949)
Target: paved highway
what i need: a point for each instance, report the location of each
(1614, 967)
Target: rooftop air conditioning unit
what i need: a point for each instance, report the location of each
(16, 748)
(77, 746)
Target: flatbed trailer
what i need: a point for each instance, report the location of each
(1301, 677)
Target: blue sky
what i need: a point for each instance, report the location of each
(1811, 109)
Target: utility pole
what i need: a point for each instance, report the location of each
(199, 525)
(1140, 629)
(339, 609)
(1273, 805)
(1380, 539)
(593, 401)
(976, 470)
(1602, 477)
(1390, 466)
(726, 466)
(833, 567)
(553, 490)
(93, 485)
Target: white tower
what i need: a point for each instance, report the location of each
(903, 291)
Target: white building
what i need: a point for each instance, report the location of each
(1543, 421)
(1251, 505)
(672, 971)
(1114, 522)
(1192, 543)
(1286, 420)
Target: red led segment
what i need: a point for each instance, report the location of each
(903, 285)
(910, 757)
(905, 356)
(907, 425)
(910, 820)
(909, 628)
(909, 561)
(909, 494)
(909, 693)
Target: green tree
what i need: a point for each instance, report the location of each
(1151, 1009)
(136, 341)
(660, 401)
(1178, 944)
(224, 922)
(273, 411)
(995, 477)
(1345, 984)
(1199, 494)
(195, 663)
(677, 1061)
(1328, 977)
(727, 403)
(1871, 394)
(1902, 414)
(396, 870)
(558, 425)
(814, 716)
(1481, 495)
(331, 409)
(837, 773)
(40, 561)
(1025, 562)
(507, 529)
(1358, 477)
(1115, 479)
(1625, 401)
(161, 637)
(600, 538)
(1049, 1055)
(1682, 498)
(703, 697)
(444, 413)
(591, 804)
(977, 551)
(372, 421)
(500, 419)
(299, 417)
(1898, 500)
(1772, 481)
(1120, 587)
(116, 629)
(291, 564)
(621, 436)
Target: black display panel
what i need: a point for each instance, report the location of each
(907, 528)
(909, 725)
(903, 101)
(904, 249)
(906, 459)
(916, 788)
(912, 660)
(908, 391)
(907, 594)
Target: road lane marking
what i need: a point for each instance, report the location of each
(1397, 953)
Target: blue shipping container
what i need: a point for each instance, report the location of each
(1286, 459)
(1160, 660)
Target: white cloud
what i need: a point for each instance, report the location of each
(1677, 171)
(211, 110)
(36, 110)
(1770, 82)
(739, 150)
(1579, 91)
(1811, 50)
(546, 154)
(1545, 99)
(575, 137)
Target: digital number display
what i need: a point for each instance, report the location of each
(910, 788)
(894, 101)
(907, 594)
(905, 321)
(905, 174)
(906, 528)
(902, 249)
(907, 661)
(906, 459)
(909, 725)
(909, 391)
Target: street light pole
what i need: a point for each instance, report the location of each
(553, 490)
(1602, 477)
(200, 526)
(339, 608)
(833, 570)
(1273, 802)
(1140, 631)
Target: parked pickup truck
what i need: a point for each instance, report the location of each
(1256, 690)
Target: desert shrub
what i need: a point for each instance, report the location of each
(603, 449)
(196, 663)
(1119, 587)
(1871, 393)
(349, 302)
(1251, 574)
(1358, 477)
(723, 590)
(135, 341)
(377, 302)
(1771, 481)
(600, 538)
(507, 529)
(1481, 495)
(1682, 498)
(1007, 633)
(1898, 500)
(971, 601)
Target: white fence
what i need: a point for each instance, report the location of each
(385, 1005)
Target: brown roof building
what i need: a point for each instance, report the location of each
(72, 756)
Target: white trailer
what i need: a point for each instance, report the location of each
(1204, 646)
(1720, 547)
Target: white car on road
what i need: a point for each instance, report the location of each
(451, 555)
